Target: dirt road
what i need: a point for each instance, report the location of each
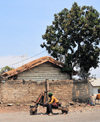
(85, 116)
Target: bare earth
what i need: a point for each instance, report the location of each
(77, 113)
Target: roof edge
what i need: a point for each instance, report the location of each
(32, 64)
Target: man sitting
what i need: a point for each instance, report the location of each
(53, 103)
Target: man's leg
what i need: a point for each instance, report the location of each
(49, 108)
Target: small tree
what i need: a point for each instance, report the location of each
(5, 69)
(74, 38)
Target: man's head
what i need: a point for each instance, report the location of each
(50, 94)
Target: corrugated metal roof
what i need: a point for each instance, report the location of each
(95, 82)
(32, 64)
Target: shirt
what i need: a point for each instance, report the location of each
(53, 99)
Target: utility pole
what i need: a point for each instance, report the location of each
(46, 88)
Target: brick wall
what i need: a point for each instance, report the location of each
(42, 72)
(80, 91)
(25, 92)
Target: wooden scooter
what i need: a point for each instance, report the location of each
(43, 100)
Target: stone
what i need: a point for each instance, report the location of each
(10, 104)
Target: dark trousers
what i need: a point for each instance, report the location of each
(49, 108)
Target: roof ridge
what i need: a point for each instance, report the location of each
(32, 64)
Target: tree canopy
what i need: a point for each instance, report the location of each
(5, 69)
(74, 38)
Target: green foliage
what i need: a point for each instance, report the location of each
(5, 69)
(74, 37)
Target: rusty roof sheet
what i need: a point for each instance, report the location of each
(30, 65)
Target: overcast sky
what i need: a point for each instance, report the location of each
(22, 24)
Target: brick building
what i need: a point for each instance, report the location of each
(23, 84)
(38, 70)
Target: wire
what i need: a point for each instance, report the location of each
(26, 59)
(29, 58)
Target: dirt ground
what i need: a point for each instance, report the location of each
(78, 107)
(77, 113)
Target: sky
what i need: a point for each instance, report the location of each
(22, 24)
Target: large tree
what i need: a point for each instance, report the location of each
(74, 38)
